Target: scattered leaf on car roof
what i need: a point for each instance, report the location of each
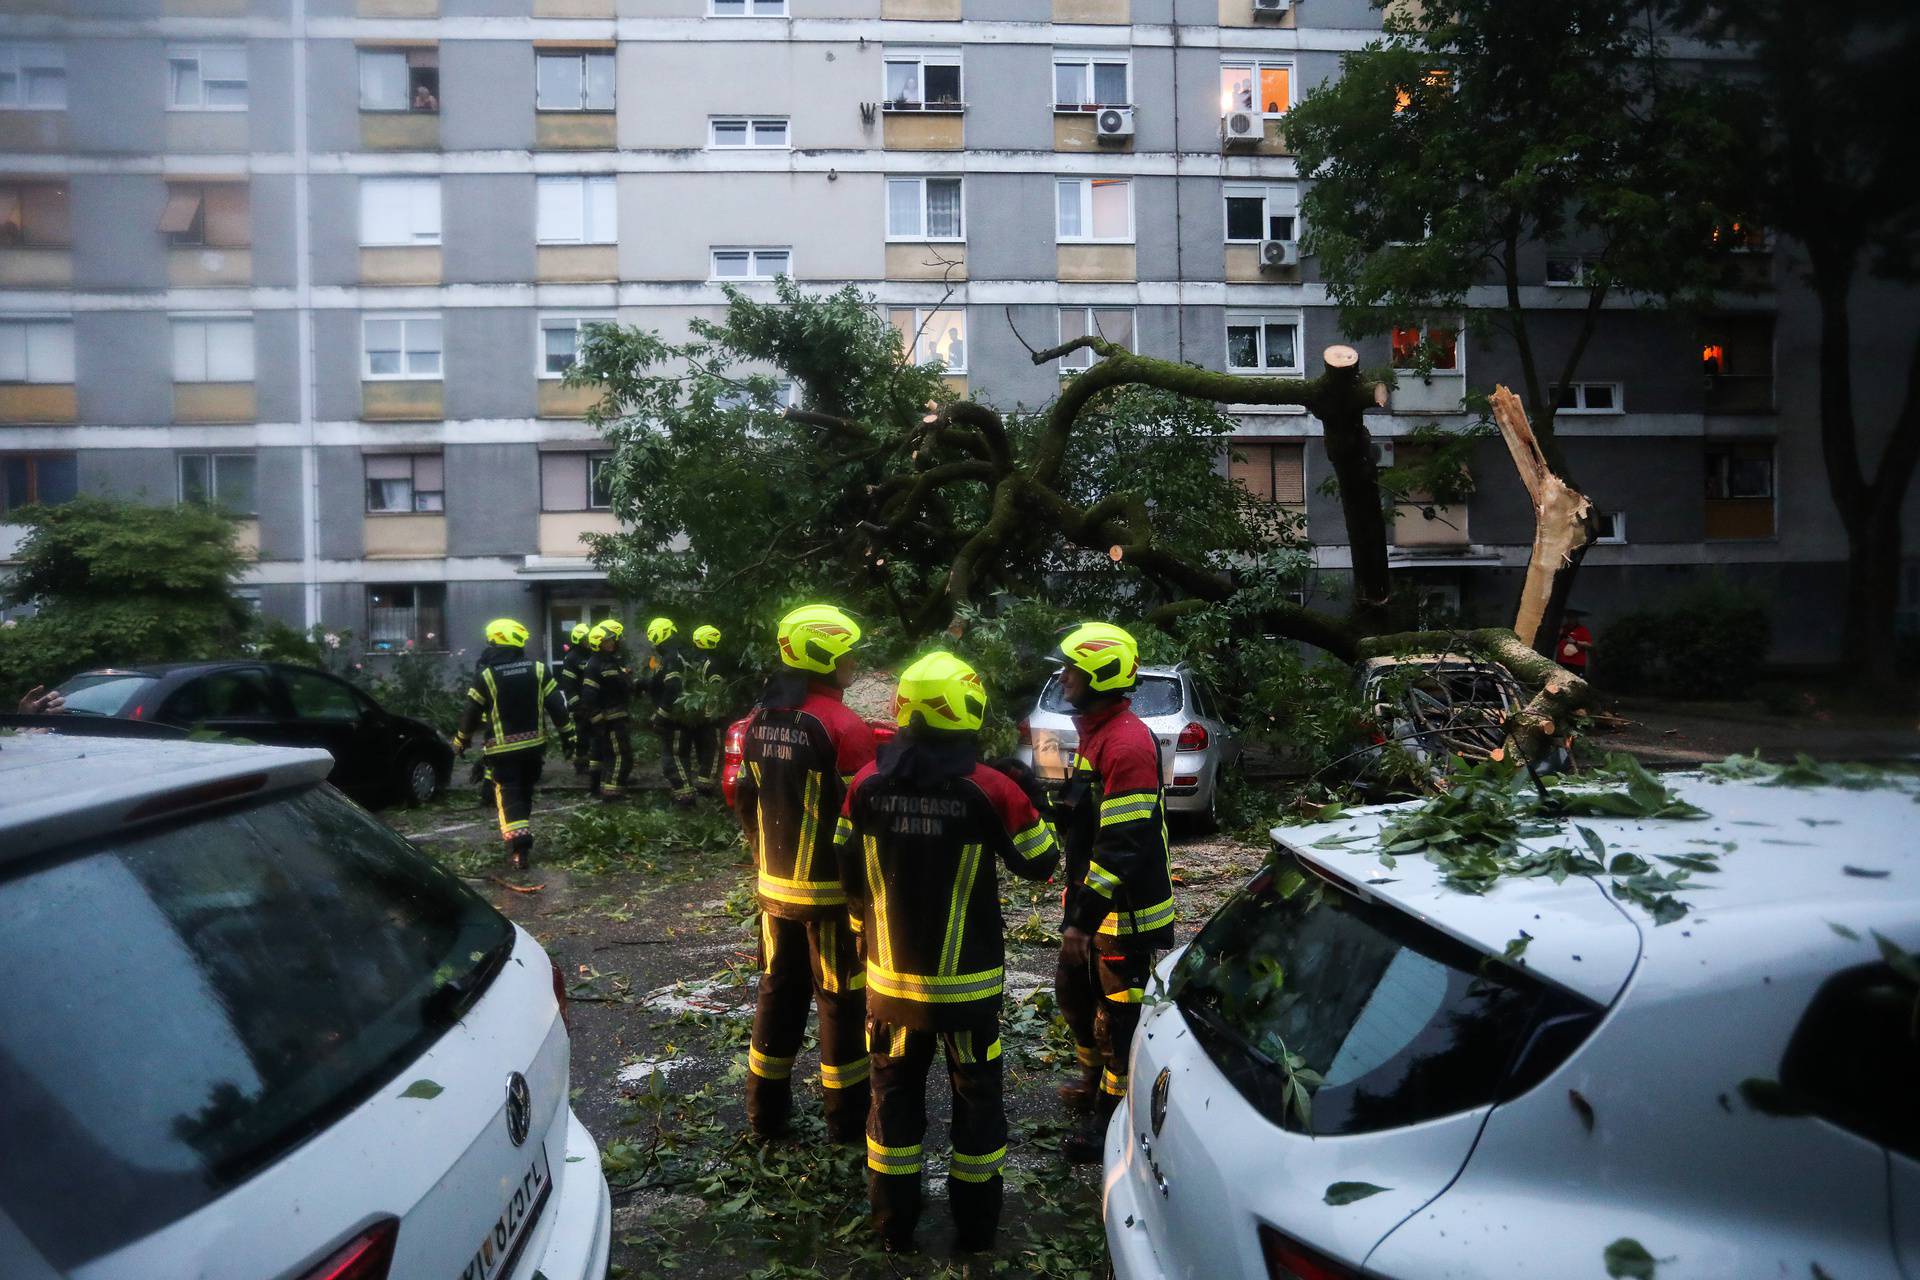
(1339, 1193)
(1628, 1259)
(1867, 873)
(423, 1088)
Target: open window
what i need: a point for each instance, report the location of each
(402, 483)
(207, 77)
(406, 616)
(1263, 86)
(1438, 344)
(223, 481)
(1739, 490)
(1258, 212)
(1115, 324)
(560, 341)
(1736, 363)
(210, 215)
(400, 79)
(923, 80)
(35, 215)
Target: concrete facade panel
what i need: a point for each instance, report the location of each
(333, 201)
(1010, 226)
(336, 365)
(489, 363)
(333, 116)
(117, 242)
(1157, 226)
(1008, 378)
(123, 363)
(276, 483)
(341, 480)
(835, 227)
(486, 92)
(103, 77)
(488, 228)
(670, 91)
(276, 365)
(1154, 94)
(1009, 91)
(493, 499)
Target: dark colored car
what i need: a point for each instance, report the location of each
(378, 757)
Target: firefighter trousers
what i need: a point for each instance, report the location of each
(612, 757)
(512, 776)
(801, 959)
(706, 754)
(897, 1126)
(676, 757)
(1101, 1002)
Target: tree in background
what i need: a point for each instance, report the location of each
(120, 583)
(1474, 132)
(1826, 105)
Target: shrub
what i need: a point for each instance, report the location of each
(1708, 642)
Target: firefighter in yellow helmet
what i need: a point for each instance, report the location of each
(918, 841)
(707, 660)
(507, 695)
(573, 666)
(1119, 896)
(666, 676)
(802, 747)
(606, 703)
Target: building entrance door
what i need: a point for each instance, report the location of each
(563, 615)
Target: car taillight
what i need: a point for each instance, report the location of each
(560, 993)
(736, 741)
(1192, 738)
(1026, 734)
(1186, 779)
(1291, 1260)
(883, 731)
(365, 1257)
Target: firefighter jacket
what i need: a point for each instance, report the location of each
(606, 688)
(918, 839)
(1113, 823)
(573, 667)
(666, 669)
(506, 696)
(802, 749)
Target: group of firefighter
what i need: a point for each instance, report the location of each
(876, 870)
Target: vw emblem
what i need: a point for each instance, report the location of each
(519, 1108)
(1157, 1103)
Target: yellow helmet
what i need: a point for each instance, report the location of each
(507, 632)
(1108, 655)
(942, 692)
(816, 636)
(603, 632)
(661, 630)
(706, 637)
(580, 632)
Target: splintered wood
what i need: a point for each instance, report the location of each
(1560, 515)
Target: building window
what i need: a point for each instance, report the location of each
(1089, 81)
(748, 9)
(786, 395)
(1434, 78)
(574, 210)
(33, 77)
(35, 215)
(222, 480)
(1739, 494)
(752, 264)
(1256, 213)
(1611, 528)
(43, 478)
(399, 211)
(211, 215)
(560, 342)
(1743, 236)
(213, 349)
(934, 337)
(923, 80)
(1589, 397)
(406, 616)
(573, 81)
(210, 77)
(1263, 344)
(576, 481)
(400, 80)
(1736, 360)
(36, 349)
(1115, 324)
(765, 133)
(1270, 472)
(1094, 209)
(1570, 270)
(401, 347)
(1266, 87)
(924, 209)
(1440, 342)
(400, 483)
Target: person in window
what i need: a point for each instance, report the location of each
(1575, 642)
(423, 98)
(953, 352)
(909, 93)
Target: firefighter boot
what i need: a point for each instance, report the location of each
(520, 852)
(1079, 1094)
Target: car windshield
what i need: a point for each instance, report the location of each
(1155, 696)
(106, 694)
(186, 1005)
(1379, 1020)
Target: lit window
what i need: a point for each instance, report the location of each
(33, 77)
(36, 350)
(1435, 78)
(767, 133)
(1089, 81)
(1441, 343)
(399, 211)
(406, 483)
(1263, 343)
(1094, 209)
(560, 341)
(401, 347)
(573, 80)
(934, 337)
(751, 264)
(221, 480)
(406, 616)
(1264, 87)
(924, 209)
(574, 210)
(1256, 213)
(1115, 324)
(213, 349)
(923, 81)
(207, 77)
(400, 80)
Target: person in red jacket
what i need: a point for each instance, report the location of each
(1119, 896)
(801, 751)
(1575, 642)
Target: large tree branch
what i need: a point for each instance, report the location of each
(840, 426)
(1558, 695)
(1833, 268)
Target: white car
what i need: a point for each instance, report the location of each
(248, 1031)
(1735, 1093)
(1196, 743)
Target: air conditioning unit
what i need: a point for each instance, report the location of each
(1270, 8)
(1114, 124)
(1382, 451)
(1242, 127)
(1279, 253)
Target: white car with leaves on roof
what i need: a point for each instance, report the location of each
(1611, 1044)
(249, 1031)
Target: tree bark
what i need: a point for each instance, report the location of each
(1562, 526)
(1342, 412)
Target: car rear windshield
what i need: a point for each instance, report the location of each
(186, 1005)
(1333, 1014)
(1155, 696)
(105, 695)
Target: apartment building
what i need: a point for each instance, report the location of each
(325, 264)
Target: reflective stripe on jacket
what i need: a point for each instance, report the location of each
(795, 765)
(1114, 824)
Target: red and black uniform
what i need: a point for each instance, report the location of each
(801, 751)
(508, 693)
(1119, 887)
(606, 703)
(922, 830)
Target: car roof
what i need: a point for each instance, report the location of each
(159, 669)
(1461, 660)
(58, 788)
(1794, 863)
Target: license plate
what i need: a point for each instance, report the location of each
(501, 1246)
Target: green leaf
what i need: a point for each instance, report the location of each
(1771, 1098)
(1627, 864)
(1843, 931)
(423, 1088)
(1339, 1193)
(1866, 873)
(1628, 1259)
(1594, 842)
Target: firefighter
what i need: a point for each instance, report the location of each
(508, 693)
(802, 749)
(666, 672)
(706, 728)
(1119, 894)
(917, 842)
(606, 698)
(572, 667)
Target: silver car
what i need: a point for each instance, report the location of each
(1196, 744)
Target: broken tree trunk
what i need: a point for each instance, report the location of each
(1562, 528)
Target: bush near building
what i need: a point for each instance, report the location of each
(1707, 643)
